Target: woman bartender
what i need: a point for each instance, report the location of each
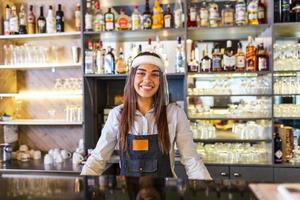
(146, 128)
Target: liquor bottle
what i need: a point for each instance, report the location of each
(100, 58)
(123, 21)
(88, 17)
(31, 21)
(168, 18)
(77, 17)
(193, 65)
(240, 13)
(216, 62)
(41, 22)
(262, 58)
(178, 11)
(292, 14)
(206, 61)
(109, 61)
(285, 11)
(14, 21)
(192, 17)
(98, 24)
(147, 17)
(240, 59)
(157, 17)
(121, 67)
(227, 15)
(109, 20)
(277, 147)
(261, 15)
(6, 21)
(253, 12)
(136, 19)
(229, 58)
(50, 21)
(251, 64)
(90, 59)
(179, 56)
(23, 20)
(60, 21)
(214, 17)
(277, 9)
(296, 11)
(204, 15)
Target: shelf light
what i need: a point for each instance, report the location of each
(50, 95)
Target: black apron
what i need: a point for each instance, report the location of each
(144, 157)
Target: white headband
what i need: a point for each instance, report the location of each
(148, 59)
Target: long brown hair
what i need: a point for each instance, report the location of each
(130, 106)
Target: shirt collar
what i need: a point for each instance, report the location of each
(139, 113)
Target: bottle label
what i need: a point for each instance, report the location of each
(178, 18)
(229, 61)
(168, 21)
(204, 14)
(123, 23)
(108, 65)
(77, 20)
(147, 21)
(262, 64)
(228, 17)
(216, 62)
(6, 28)
(88, 21)
(135, 22)
(13, 24)
(240, 11)
(22, 21)
(206, 64)
(278, 154)
(89, 62)
(42, 25)
(193, 16)
(213, 12)
(109, 22)
(240, 62)
(261, 13)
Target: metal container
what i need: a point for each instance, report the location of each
(5, 152)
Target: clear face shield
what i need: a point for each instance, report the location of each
(149, 57)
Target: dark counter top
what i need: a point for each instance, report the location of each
(16, 186)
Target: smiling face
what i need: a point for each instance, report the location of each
(146, 81)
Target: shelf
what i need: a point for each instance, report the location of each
(227, 74)
(39, 122)
(224, 33)
(287, 118)
(41, 66)
(124, 76)
(40, 36)
(230, 95)
(288, 165)
(287, 29)
(8, 95)
(264, 164)
(107, 3)
(287, 94)
(230, 118)
(287, 71)
(138, 35)
(232, 140)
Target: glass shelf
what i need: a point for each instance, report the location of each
(223, 33)
(229, 95)
(291, 29)
(138, 35)
(40, 36)
(227, 74)
(39, 122)
(230, 118)
(41, 66)
(232, 140)
(124, 76)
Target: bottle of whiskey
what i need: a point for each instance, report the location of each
(14, 21)
(41, 22)
(240, 59)
(31, 21)
(109, 20)
(168, 18)
(123, 21)
(206, 61)
(214, 17)
(227, 15)
(99, 18)
(251, 63)
(278, 155)
(229, 58)
(60, 21)
(193, 65)
(77, 17)
(253, 12)
(50, 21)
(6, 21)
(192, 17)
(157, 17)
(147, 17)
(88, 17)
(261, 15)
(216, 60)
(121, 67)
(240, 13)
(136, 19)
(204, 15)
(23, 20)
(262, 58)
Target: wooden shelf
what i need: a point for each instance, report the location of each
(40, 36)
(41, 66)
(39, 122)
(225, 33)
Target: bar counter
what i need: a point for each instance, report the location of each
(18, 186)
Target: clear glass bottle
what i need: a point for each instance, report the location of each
(240, 13)
(157, 17)
(90, 59)
(98, 24)
(253, 12)
(109, 61)
(50, 21)
(88, 17)
(229, 58)
(227, 15)
(23, 20)
(178, 11)
(179, 56)
(6, 21)
(109, 20)
(214, 16)
(204, 15)
(123, 22)
(240, 59)
(14, 21)
(136, 19)
(31, 21)
(251, 63)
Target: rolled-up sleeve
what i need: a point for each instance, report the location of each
(95, 164)
(194, 166)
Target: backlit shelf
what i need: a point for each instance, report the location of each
(39, 122)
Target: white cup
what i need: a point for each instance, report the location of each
(75, 54)
(48, 159)
(54, 152)
(77, 158)
(58, 159)
(37, 155)
(65, 154)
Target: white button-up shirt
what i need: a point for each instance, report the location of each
(179, 131)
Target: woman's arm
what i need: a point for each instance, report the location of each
(95, 164)
(194, 166)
